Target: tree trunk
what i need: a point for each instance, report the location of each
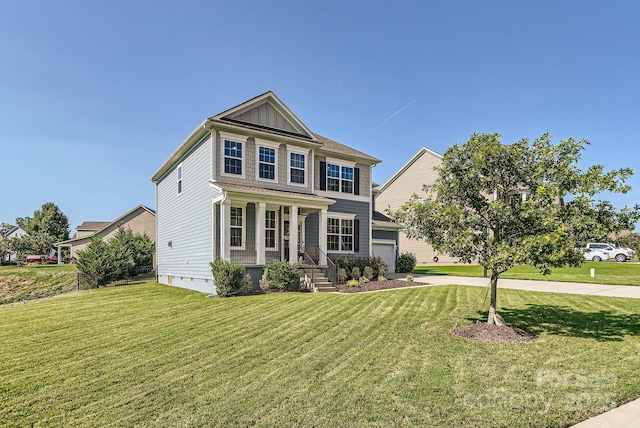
(494, 297)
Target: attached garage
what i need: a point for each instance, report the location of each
(386, 249)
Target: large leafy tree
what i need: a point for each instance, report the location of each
(47, 226)
(524, 203)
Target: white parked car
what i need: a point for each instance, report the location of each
(620, 254)
(595, 255)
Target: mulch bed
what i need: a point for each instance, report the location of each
(483, 332)
(379, 285)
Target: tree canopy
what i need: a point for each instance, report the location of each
(504, 205)
(47, 226)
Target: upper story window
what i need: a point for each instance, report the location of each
(233, 157)
(267, 163)
(346, 177)
(339, 177)
(179, 172)
(297, 168)
(333, 177)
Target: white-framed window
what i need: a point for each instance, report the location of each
(271, 224)
(179, 174)
(297, 168)
(237, 231)
(340, 231)
(233, 157)
(346, 177)
(267, 161)
(340, 177)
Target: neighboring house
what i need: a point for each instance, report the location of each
(16, 232)
(88, 228)
(410, 179)
(140, 220)
(254, 184)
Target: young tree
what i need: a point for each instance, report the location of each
(95, 263)
(507, 205)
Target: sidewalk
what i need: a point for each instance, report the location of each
(625, 416)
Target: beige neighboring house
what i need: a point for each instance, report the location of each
(410, 179)
(140, 220)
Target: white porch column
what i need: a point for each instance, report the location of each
(293, 234)
(225, 230)
(260, 233)
(59, 256)
(322, 238)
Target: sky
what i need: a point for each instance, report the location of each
(95, 96)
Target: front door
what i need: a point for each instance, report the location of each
(285, 234)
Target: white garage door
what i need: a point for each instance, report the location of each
(387, 251)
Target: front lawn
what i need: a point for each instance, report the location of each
(612, 273)
(153, 355)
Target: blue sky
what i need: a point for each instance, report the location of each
(94, 96)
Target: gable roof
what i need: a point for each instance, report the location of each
(264, 115)
(266, 112)
(406, 166)
(92, 225)
(13, 230)
(113, 223)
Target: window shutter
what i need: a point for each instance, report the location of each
(356, 181)
(323, 176)
(356, 236)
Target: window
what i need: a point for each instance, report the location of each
(347, 179)
(236, 227)
(270, 229)
(340, 234)
(297, 168)
(267, 163)
(179, 179)
(341, 178)
(333, 177)
(232, 157)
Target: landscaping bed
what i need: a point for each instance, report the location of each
(379, 285)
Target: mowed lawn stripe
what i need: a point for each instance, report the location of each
(153, 355)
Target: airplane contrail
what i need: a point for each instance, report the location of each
(393, 115)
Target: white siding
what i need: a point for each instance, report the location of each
(185, 221)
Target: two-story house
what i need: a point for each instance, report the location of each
(254, 184)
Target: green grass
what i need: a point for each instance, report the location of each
(153, 355)
(35, 282)
(612, 273)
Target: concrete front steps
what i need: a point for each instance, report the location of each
(320, 281)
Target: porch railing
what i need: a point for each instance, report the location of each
(331, 269)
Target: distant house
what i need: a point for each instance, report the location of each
(89, 228)
(254, 184)
(140, 220)
(410, 179)
(16, 232)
